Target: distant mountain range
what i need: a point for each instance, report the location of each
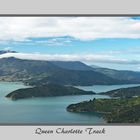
(7, 51)
(122, 75)
(36, 72)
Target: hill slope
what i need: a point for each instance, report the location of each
(126, 110)
(35, 72)
(72, 65)
(127, 77)
(124, 92)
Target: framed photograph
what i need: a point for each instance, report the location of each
(70, 71)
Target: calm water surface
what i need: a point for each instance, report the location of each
(49, 110)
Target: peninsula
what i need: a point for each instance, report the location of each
(47, 91)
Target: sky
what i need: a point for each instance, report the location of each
(112, 42)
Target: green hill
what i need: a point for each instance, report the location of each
(46, 91)
(126, 110)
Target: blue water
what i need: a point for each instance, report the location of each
(49, 110)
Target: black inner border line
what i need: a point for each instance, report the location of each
(69, 15)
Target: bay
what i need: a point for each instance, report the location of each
(49, 110)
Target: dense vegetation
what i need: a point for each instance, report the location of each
(46, 91)
(123, 110)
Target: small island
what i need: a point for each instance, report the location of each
(47, 91)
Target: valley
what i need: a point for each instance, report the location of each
(61, 78)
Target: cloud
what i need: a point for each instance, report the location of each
(58, 41)
(87, 58)
(83, 28)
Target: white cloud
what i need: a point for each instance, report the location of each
(61, 41)
(94, 58)
(83, 28)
